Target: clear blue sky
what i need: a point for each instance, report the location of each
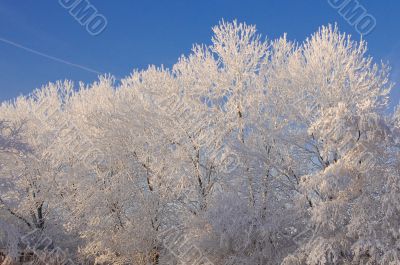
(146, 32)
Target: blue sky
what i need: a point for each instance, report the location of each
(140, 33)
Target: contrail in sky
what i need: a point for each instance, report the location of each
(49, 56)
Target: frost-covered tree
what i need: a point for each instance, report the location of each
(256, 151)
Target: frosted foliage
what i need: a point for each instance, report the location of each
(246, 151)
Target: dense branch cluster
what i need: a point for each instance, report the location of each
(244, 152)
